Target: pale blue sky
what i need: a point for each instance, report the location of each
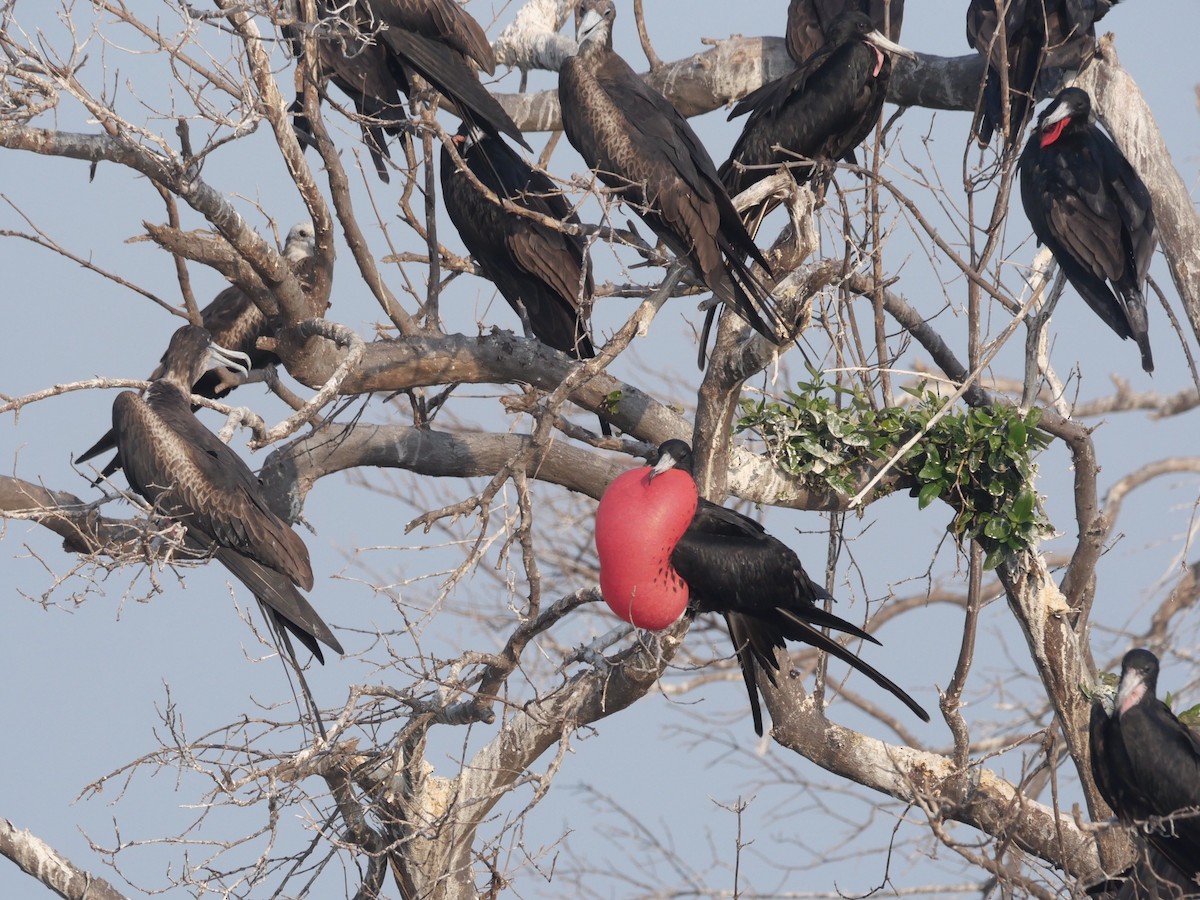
(85, 684)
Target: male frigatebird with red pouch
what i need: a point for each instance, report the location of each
(1091, 208)
(665, 550)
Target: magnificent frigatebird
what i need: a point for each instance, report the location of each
(809, 22)
(367, 48)
(233, 321)
(663, 548)
(820, 111)
(1088, 205)
(640, 146)
(545, 275)
(187, 474)
(1043, 41)
(1147, 763)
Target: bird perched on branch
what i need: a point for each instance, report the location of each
(188, 475)
(809, 22)
(820, 111)
(640, 146)
(1146, 764)
(1042, 42)
(370, 49)
(544, 274)
(234, 321)
(1086, 203)
(664, 550)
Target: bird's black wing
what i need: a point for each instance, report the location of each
(1133, 203)
(442, 21)
(770, 99)
(1165, 770)
(449, 72)
(1074, 215)
(277, 593)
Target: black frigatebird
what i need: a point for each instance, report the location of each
(820, 111)
(235, 322)
(663, 549)
(188, 475)
(640, 146)
(369, 49)
(1089, 206)
(809, 22)
(1044, 40)
(1147, 763)
(544, 274)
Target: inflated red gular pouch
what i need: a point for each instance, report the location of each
(638, 524)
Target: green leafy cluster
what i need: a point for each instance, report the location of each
(978, 459)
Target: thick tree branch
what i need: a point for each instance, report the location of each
(41, 861)
(975, 796)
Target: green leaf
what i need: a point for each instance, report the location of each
(994, 557)
(929, 493)
(997, 529)
(1022, 509)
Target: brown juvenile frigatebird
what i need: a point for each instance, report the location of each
(640, 146)
(1091, 208)
(544, 274)
(188, 475)
(664, 549)
(809, 22)
(1043, 41)
(1147, 764)
(235, 322)
(369, 48)
(820, 111)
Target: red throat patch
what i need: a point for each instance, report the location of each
(638, 524)
(1055, 132)
(878, 60)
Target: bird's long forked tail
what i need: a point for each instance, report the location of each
(278, 624)
(275, 591)
(1134, 302)
(754, 640)
(746, 286)
(804, 632)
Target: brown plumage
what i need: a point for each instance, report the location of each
(235, 322)
(640, 145)
(187, 474)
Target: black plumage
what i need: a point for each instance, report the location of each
(1044, 41)
(1146, 763)
(757, 583)
(820, 111)
(809, 22)
(235, 322)
(370, 48)
(187, 474)
(544, 274)
(1089, 206)
(639, 145)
